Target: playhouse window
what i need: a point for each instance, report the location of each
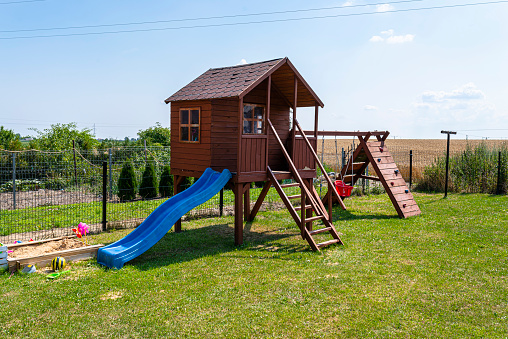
(253, 119)
(189, 124)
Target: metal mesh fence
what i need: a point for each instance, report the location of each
(45, 194)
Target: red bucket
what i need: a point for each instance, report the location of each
(343, 189)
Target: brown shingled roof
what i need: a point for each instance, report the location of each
(223, 82)
(237, 81)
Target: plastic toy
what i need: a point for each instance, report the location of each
(57, 263)
(343, 189)
(29, 269)
(56, 274)
(81, 231)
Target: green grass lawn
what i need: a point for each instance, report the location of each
(441, 275)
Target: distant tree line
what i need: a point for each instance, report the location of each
(60, 137)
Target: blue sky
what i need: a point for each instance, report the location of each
(413, 73)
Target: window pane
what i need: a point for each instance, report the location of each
(195, 117)
(184, 133)
(184, 117)
(258, 112)
(259, 127)
(247, 111)
(194, 133)
(247, 127)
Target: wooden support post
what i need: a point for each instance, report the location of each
(246, 202)
(293, 132)
(303, 200)
(316, 111)
(308, 213)
(240, 132)
(238, 190)
(330, 202)
(268, 104)
(177, 180)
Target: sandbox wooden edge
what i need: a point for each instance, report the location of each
(44, 259)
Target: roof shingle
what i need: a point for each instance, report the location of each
(223, 82)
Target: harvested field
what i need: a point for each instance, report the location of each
(425, 151)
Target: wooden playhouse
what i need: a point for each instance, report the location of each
(238, 118)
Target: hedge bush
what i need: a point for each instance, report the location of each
(166, 182)
(127, 183)
(148, 187)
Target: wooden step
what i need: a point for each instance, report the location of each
(317, 217)
(321, 230)
(295, 184)
(328, 243)
(299, 208)
(294, 196)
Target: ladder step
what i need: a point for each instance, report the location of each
(295, 184)
(294, 196)
(317, 217)
(299, 208)
(327, 243)
(321, 230)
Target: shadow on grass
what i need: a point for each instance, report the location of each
(211, 240)
(344, 215)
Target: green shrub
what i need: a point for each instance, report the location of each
(55, 184)
(127, 182)
(148, 188)
(166, 182)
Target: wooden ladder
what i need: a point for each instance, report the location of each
(309, 198)
(377, 155)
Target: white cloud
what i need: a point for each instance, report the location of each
(376, 38)
(389, 37)
(242, 62)
(384, 7)
(400, 39)
(466, 92)
(370, 108)
(348, 3)
(464, 105)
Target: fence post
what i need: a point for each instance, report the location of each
(221, 202)
(75, 170)
(104, 193)
(14, 180)
(144, 143)
(447, 160)
(410, 169)
(343, 158)
(110, 175)
(499, 188)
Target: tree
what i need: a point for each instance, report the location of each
(9, 140)
(166, 182)
(60, 136)
(127, 182)
(156, 135)
(148, 188)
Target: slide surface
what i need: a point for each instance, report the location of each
(160, 221)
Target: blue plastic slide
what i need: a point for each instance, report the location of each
(160, 221)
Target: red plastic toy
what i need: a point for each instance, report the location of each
(343, 189)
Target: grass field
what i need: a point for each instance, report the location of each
(440, 275)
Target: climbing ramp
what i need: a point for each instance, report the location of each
(377, 155)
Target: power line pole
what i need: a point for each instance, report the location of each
(447, 159)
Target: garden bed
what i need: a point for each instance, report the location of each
(40, 253)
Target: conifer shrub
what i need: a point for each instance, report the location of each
(166, 182)
(148, 187)
(127, 183)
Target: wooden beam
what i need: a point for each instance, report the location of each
(346, 133)
(268, 103)
(177, 180)
(316, 110)
(238, 190)
(293, 131)
(246, 201)
(260, 199)
(240, 132)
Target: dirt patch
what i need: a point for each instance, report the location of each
(44, 197)
(48, 247)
